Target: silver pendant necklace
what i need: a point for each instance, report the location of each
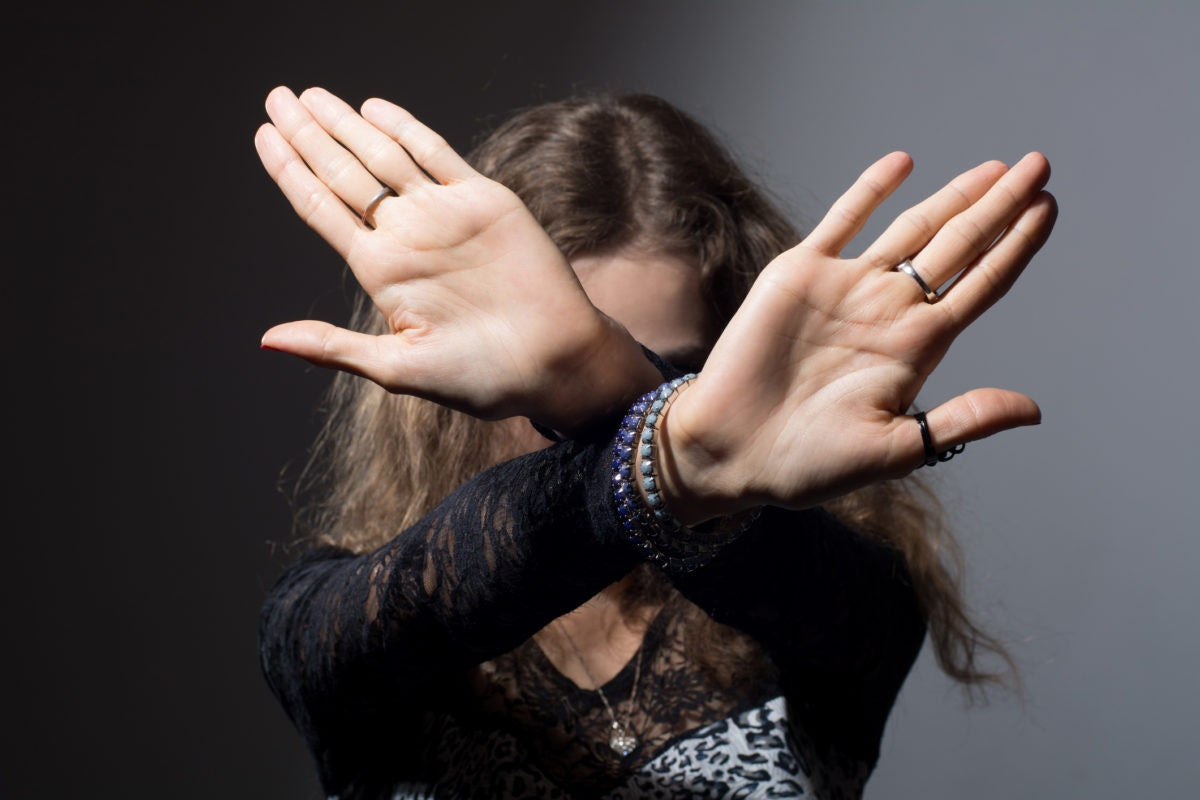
(622, 739)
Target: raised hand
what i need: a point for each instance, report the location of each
(485, 313)
(806, 394)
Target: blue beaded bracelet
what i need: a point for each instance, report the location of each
(648, 524)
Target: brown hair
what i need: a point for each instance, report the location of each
(602, 174)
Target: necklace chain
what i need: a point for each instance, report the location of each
(622, 740)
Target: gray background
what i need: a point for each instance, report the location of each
(147, 252)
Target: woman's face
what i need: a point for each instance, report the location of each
(657, 298)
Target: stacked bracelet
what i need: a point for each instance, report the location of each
(648, 523)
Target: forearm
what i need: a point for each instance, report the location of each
(834, 611)
(818, 595)
(518, 546)
(599, 383)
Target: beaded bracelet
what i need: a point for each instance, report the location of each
(649, 525)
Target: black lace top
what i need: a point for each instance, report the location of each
(411, 671)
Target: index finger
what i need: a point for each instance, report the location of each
(850, 213)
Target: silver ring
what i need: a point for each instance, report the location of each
(368, 217)
(906, 266)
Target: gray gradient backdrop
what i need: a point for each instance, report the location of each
(147, 431)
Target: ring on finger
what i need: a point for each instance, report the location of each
(932, 456)
(906, 266)
(368, 214)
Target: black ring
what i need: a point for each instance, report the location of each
(933, 457)
(946, 455)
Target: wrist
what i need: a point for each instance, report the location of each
(695, 481)
(650, 524)
(598, 381)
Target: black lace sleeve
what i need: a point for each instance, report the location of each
(357, 647)
(350, 642)
(835, 611)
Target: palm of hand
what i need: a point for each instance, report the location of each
(483, 310)
(806, 393)
(475, 294)
(833, 364)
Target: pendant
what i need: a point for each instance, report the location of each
(621, 740)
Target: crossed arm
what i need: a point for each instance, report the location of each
(806, 393)
(804, 397)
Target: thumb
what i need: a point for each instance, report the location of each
(332, 347)
(974, 415)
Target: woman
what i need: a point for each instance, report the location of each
(593, 618)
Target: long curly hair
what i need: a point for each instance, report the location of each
(601, 174)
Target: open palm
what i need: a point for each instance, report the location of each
(484, 312)
(807, 393)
